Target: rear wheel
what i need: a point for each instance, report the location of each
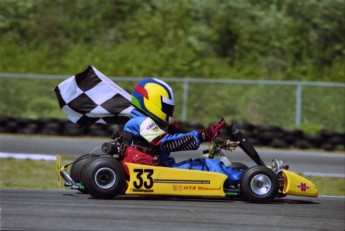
(78, 166)
(259, 184)
(104, 178)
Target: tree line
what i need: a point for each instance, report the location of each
(243, 39)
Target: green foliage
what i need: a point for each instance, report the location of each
(322, 107)
(240, 39)
(185, 38)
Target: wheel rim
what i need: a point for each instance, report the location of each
(261, 184)
(105, 178)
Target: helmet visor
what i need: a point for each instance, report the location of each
(168, 106)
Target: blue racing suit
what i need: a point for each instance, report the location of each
(143, 126)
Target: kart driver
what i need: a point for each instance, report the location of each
(151, 126)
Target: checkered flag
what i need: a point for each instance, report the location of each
(90, 97)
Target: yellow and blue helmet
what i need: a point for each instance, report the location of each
(155, 98)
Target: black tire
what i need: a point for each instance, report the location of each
(268, 128)
(104, 178)
(238, 165)
(70, 129)
(78, 166)
(279, 143)
(303, 144)
(266, 138)
(244, 126)
(328, 147)
(259, 184)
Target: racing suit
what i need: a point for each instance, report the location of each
(162, 143)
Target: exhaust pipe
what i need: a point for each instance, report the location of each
(69, 182)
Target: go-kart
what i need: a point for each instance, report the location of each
(128, 170)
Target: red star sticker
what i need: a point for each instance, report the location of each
(303, 187)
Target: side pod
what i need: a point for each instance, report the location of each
(153, 180)
(297, 185)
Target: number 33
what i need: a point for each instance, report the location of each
(147, 183)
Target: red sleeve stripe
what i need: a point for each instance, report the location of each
(157, 141)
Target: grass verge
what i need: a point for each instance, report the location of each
(39, 174)
(28, 174)
(330, 186)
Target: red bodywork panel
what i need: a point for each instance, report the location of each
(133, 155)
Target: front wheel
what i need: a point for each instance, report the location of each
(259, 184)
(104, 178)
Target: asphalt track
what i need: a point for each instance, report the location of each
(71, 210)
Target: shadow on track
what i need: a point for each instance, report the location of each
(277, 201)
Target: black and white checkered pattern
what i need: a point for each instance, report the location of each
(90, 97)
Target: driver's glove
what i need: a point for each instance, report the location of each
(209, 133)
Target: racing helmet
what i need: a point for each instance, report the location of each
(154, 98)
